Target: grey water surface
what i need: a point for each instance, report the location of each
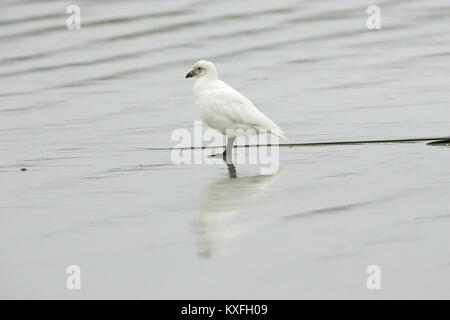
(80, 111)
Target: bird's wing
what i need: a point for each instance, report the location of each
(241, 111)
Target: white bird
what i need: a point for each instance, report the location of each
(224, 109)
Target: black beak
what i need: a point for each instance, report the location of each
(190, 74)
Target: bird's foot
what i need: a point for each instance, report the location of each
(218, 155)
(222, 155)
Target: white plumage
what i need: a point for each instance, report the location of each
(224, 109)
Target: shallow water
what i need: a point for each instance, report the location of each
(79, 110)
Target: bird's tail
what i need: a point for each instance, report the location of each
(279, 133)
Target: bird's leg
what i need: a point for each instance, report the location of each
(228, 153)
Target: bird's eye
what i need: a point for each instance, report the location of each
(199, 68)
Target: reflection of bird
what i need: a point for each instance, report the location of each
(226, 110)
(223, 200)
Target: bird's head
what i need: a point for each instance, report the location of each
(203, 68)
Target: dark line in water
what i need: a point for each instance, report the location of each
(443, 142)
(313, 144)
(90, 62)
(31, 18)
(345, 208)
(188, 24)
(119, 74)
(115, 20)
